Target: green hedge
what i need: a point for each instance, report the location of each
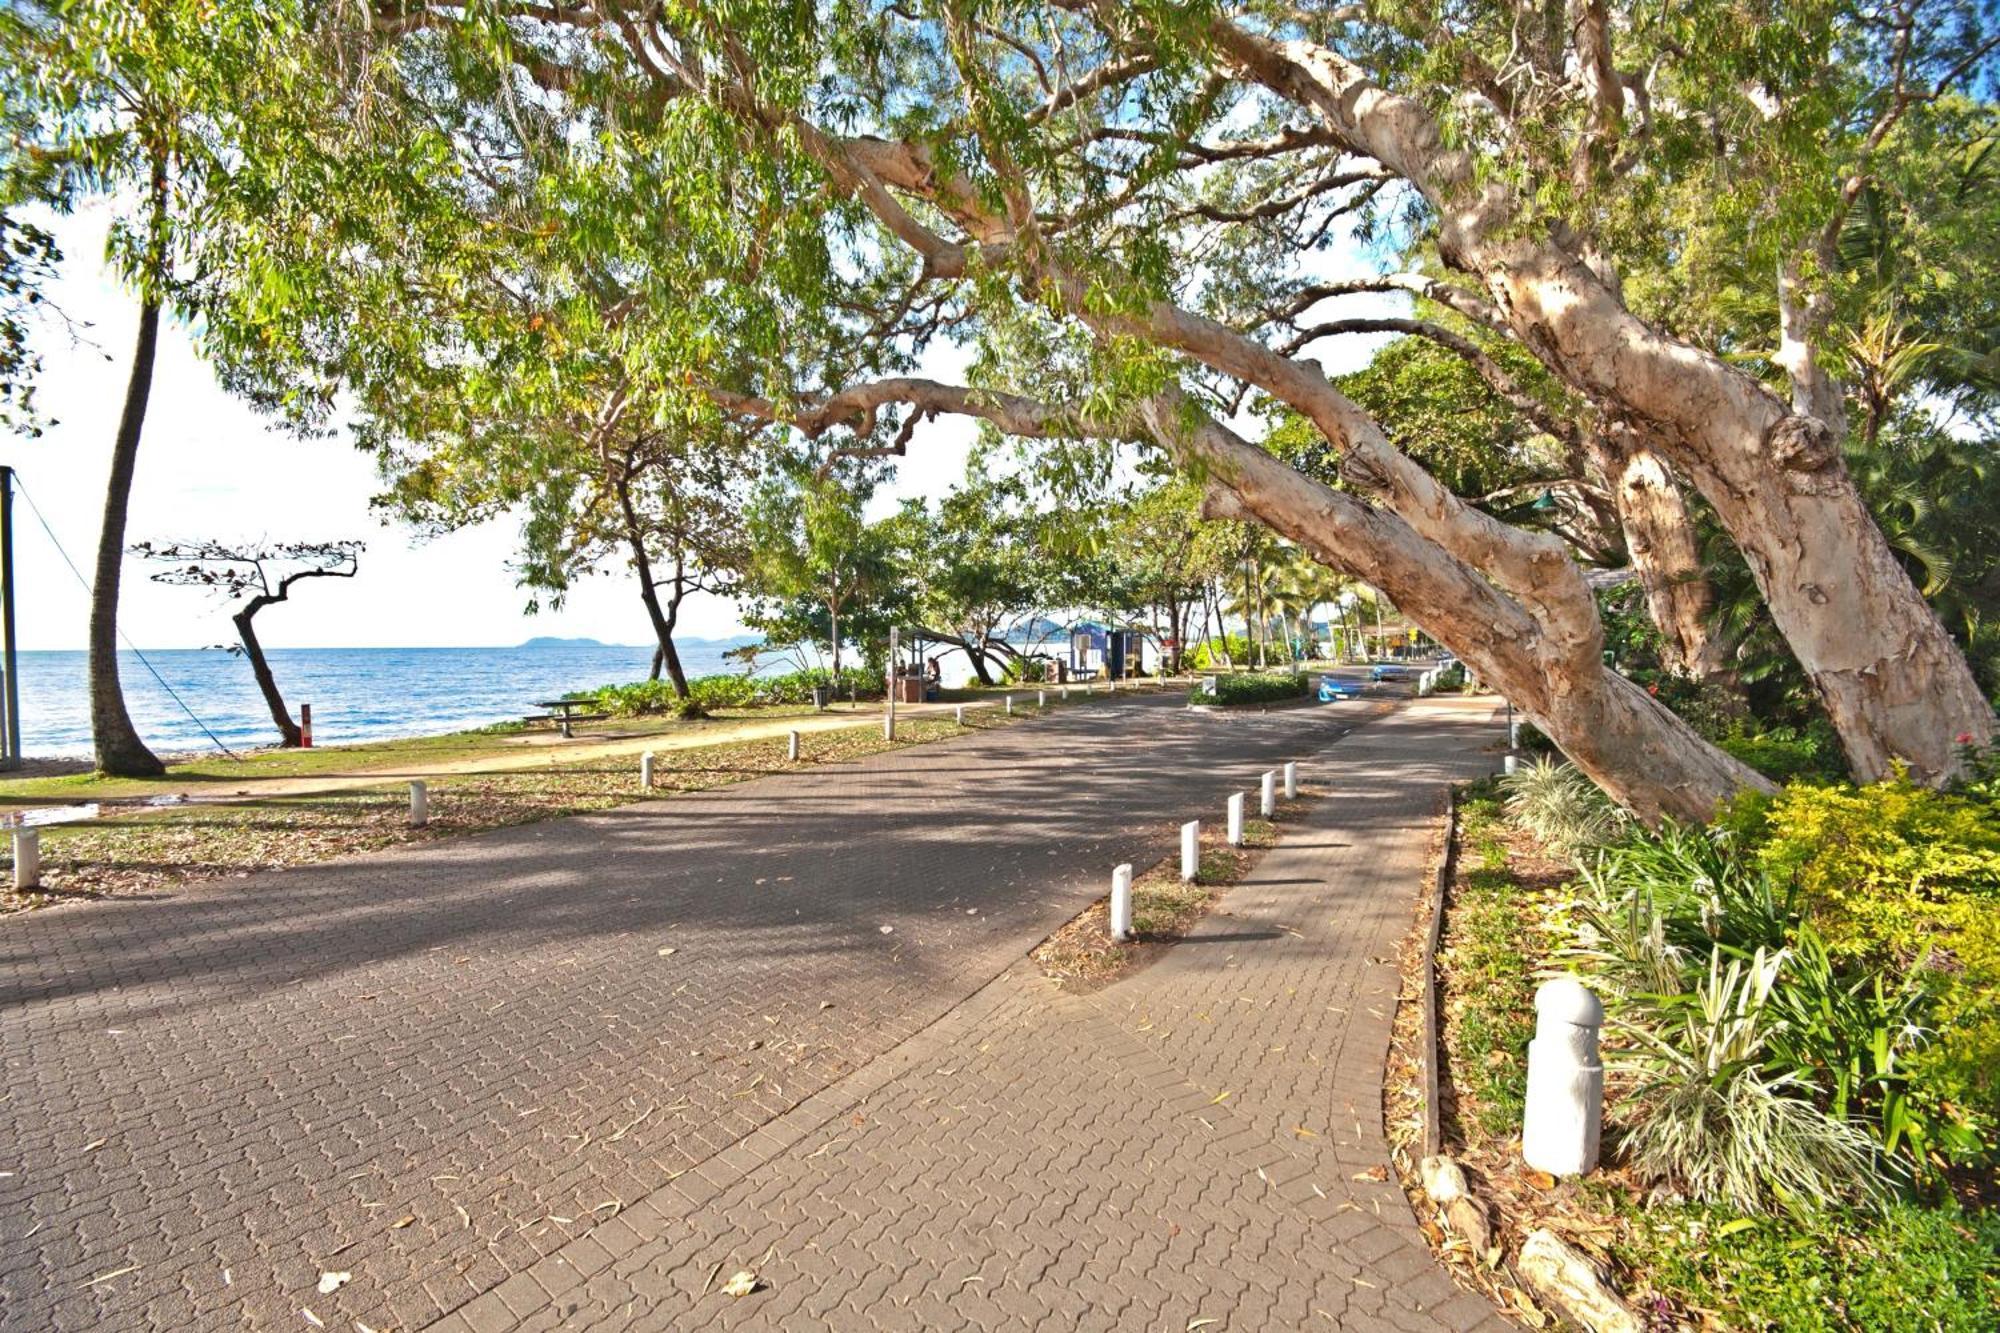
(1250, 690)
(708, 693)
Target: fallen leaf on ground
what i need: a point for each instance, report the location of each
(332, 1282)
(742, 1284)
(403, 1221)
(1373, 1173)
(1541, 1179)
(668, 950)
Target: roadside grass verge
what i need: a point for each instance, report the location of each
(1081, 956)
(165, 848)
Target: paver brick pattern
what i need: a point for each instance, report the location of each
(432, 1067)
(1198, 1145)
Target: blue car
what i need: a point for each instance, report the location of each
(1389, 671)
(1332, 691)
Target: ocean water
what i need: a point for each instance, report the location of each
(357, 694)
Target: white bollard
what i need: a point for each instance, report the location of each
(1010, 705)
(1063, 694)
(889, 727)
(1565, 1105)
(1190, 851)
(27, 858)
(958, 714)
(1267, 794)
(1236, 820)
(1513, 764)
(420, 805)
(1513, 735)
(1291, 781)
(1121, 903)
(646, 771)
(792, 746)
(1041, 698)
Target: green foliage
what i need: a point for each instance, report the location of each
(707, 693)
(1713, 1110)
(1904, 1267)
(1903, 880)
(1787, 754)
(1561, 807)
(1208, 655)
(1248, 689)
(1486, 954)
(1863, 919)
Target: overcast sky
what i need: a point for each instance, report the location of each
(211, 467)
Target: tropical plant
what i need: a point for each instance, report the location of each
(1714, 1114)
(1560, 806)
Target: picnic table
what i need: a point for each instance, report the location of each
(562, 712)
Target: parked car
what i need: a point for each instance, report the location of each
(1390, 671)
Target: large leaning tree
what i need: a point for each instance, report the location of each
(1125, 211)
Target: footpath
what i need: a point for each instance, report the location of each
(1197, 1146)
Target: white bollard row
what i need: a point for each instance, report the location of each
(1121, 902)
(1190, 851)
(646, 770)
(1267, 794)
(1236, 819)
(420, 805)
(1564, 1115)
(27, 858)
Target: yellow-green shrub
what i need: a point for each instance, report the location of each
(1897, 876)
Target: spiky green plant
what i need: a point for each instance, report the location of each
(1561, 807)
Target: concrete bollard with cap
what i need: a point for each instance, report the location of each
(1190, 851)
(1565, 1104)
(420, 805)
(1291, 781)
(1236, 820)
(1121, 902)
(27, 858)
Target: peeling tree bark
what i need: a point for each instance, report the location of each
(1666, 554)
(1893, 682)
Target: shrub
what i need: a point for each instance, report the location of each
(1560, 806)
(1786, 754)
(1715, 1114)
(1207, 654)
(1901, 879)
(1905, 1267)
(1230, 690)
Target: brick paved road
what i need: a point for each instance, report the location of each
(430, 1067)
(1196, 1146)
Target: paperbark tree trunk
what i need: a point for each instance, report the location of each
(662, 618)
(1665, 551)
(1546, 659)
(1893, 682)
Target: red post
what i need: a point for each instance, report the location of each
(306, 726)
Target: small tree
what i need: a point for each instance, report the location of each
(264, 574)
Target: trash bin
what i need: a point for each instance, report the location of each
(821, 694)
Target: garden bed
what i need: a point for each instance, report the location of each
(1918, 1258)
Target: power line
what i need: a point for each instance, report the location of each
(130, 646)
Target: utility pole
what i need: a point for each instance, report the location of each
(10, 678)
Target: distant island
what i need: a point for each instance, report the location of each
(550, 641)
